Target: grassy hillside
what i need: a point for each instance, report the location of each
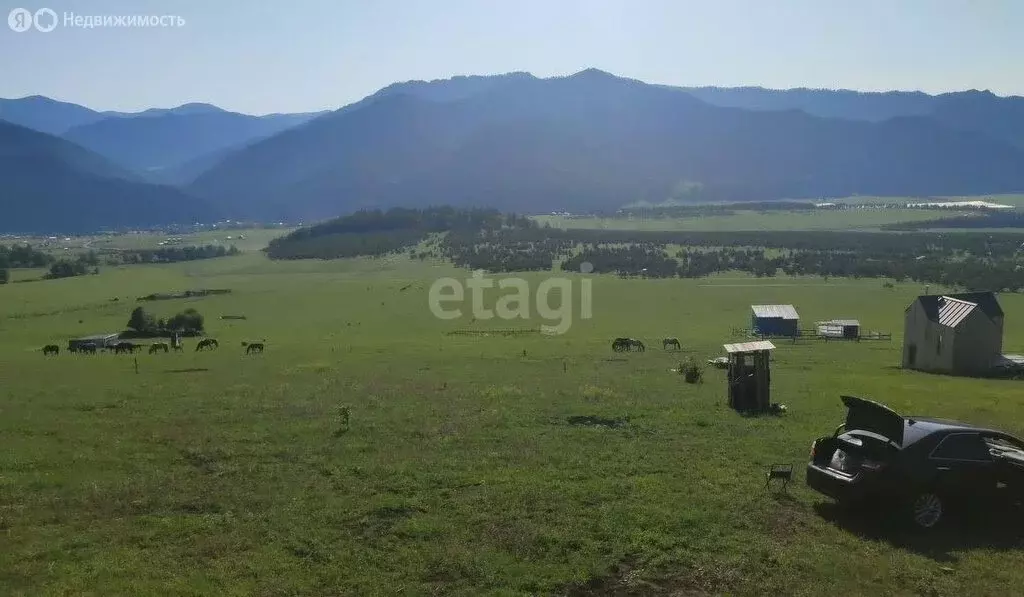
(459, 472)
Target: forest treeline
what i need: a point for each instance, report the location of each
(170, 254)
(376, 233)
(488, 240)
(988, 219)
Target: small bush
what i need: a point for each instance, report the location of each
(692, 372)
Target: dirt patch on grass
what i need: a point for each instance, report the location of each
(628, 579)
(596, 421)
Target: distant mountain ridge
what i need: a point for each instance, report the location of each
(158, 144)
(587, 141)
(517, 142)
(972, 110)
(50, 184)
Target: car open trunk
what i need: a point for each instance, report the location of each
(867, 415)
(870, 434)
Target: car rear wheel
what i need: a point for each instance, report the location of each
(926, 510)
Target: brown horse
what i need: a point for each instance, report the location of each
(126, 347)
(51, 349)
(158, 346)
(206, 343)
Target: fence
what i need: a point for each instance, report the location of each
(812, 334)
(507, 332)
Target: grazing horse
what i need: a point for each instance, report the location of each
(87, 348)
(637, 345)
(51, 349)
(206, 343)
(671, 342)
(254, 347)
(158, 346)
(620, 344)
(126, 347)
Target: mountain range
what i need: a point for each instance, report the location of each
(517, 142)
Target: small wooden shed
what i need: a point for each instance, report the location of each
(774, 320)
(749, 376)
(839, 328)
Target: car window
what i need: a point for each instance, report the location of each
(962, 446)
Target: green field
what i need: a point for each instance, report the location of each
(217, 473)
(751, 220)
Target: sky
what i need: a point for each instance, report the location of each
(263, 56)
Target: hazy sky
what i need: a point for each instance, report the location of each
(262, 56)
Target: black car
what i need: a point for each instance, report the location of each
(921, 464)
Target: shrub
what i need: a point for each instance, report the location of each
(692, 372)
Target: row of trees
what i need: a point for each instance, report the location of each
(989, 219)
(172, 254)
(85, 263)
(188, 321)
(722, 209)
(486, 239)
(375, 233)
(22, 256)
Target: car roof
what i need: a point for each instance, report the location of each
(921, 427)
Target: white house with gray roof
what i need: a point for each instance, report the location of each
(960, 334)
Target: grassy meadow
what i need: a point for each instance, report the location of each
(754, 220)
(459, 471)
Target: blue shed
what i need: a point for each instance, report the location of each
(774, 320)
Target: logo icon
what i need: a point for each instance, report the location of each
(21, 20)
(45, 25)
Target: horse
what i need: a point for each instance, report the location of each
(206, 343)
(637, 345)
(158, 346)
(178, 347)
(87, 348)
(255, 347)
(671, 342)
(620, 344)
(126, 347)
(51, 349)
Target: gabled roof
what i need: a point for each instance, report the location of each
(986, 301)
(775, 311)
(953, 311)
(842, 322)
(749, 346)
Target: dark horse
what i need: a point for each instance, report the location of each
(87, 348)
(255, 347)
(158, 346)
(126, 347)
(51, 349)
(671, 342)
(630, 344)
(206, 343)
